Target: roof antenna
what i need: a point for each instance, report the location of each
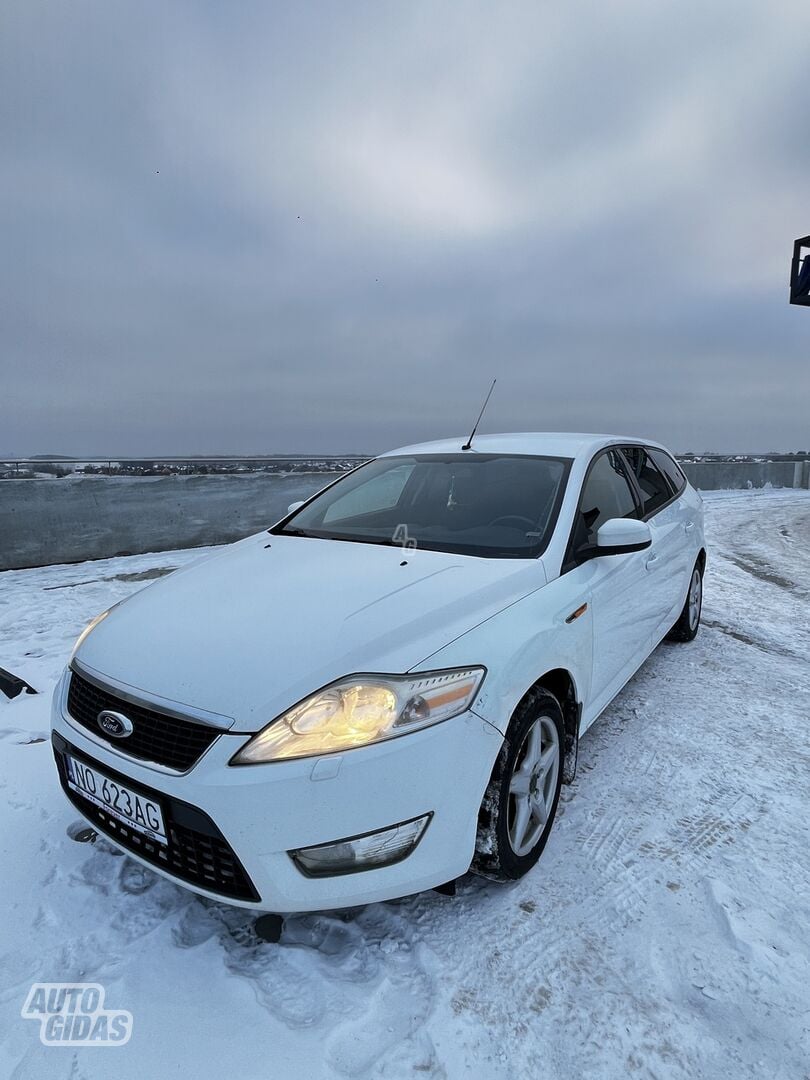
(468, 444)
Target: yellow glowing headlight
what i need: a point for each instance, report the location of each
(360, 710)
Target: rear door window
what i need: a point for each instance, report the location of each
(669, 468)
(655, 490)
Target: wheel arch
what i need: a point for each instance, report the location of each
(560, 683)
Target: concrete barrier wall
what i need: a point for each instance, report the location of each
(97, 517)
(738, 475)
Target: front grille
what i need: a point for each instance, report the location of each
(179, 744)
(197, 851)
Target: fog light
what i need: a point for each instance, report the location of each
(362, 852)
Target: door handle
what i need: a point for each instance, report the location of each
(689, 526)
(651, 561)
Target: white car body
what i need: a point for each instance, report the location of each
(236, 639)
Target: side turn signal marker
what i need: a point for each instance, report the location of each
(576, 614)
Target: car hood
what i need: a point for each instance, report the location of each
(249, 631)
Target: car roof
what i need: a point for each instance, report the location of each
(536, 443)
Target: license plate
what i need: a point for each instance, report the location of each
(142, 814)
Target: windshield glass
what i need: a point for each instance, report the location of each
(495, 505)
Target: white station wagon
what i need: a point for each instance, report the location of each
(387, 688)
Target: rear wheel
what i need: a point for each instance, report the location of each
(686, 628)
(520, 802)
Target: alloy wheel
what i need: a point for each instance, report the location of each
(695, 598)
(533, 785)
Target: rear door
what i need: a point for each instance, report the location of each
(688, 515)
(666, 560)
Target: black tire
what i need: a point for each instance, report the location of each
(495, 856)
(688, 624)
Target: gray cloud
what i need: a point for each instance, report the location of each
(321, 227)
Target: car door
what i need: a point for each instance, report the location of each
(614, 586)
(688, 516)
(667, 557)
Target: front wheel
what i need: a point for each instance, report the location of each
(686, 628)
(520, 802)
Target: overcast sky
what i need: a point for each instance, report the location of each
(321, 226)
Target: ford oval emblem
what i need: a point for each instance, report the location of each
(114, 724)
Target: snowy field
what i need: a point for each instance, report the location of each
(664, 933)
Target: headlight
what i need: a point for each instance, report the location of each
(360, 710)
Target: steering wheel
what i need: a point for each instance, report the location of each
(512, 518)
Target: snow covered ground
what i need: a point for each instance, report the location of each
(664, 933)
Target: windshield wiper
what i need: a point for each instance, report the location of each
(383, 542)
(296, 532)
(348, 538)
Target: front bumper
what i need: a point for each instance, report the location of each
(258, 813)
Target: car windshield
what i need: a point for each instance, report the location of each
(492, 505)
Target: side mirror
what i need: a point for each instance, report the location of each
(618, 536)
(294, 506)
